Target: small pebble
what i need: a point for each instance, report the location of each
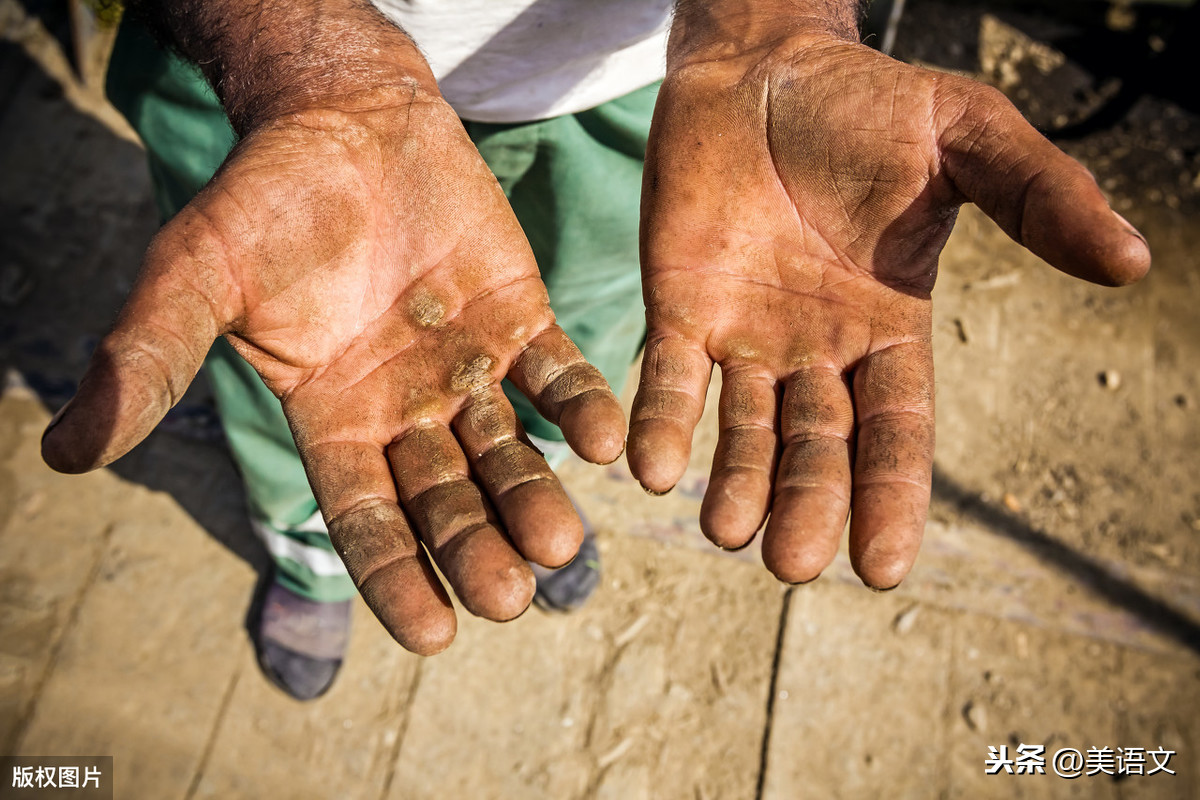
(614, 754)
(975, 716)
(961, 329)
(1011, 502)
(1110, 379)
(904, 621)
(1160, 551)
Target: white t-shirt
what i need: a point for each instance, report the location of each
(524, 60)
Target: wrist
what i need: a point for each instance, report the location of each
(706, 30)
(342, 70)
(291, 90)
(275, 58)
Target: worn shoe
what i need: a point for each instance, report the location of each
(301, 643)
(567, 588)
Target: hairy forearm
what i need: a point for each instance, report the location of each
(274, 57)
(713, 28)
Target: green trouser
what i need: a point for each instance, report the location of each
(574, 183)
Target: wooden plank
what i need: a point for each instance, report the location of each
(640, 694)
(1157, 699)
(340, 745)
(1014, 684)
(143, 672)
(48, 551)
(860, 697)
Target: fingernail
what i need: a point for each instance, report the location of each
(653, 493)
(805, 583)
(57, 418)
(878, 590)
(1129, 227)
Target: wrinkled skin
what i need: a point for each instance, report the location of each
(796, 199)
(367, 264)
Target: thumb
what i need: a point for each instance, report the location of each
(144, 365)
(1040, 196)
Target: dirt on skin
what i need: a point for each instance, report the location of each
(1056, 599)
(1092, 396)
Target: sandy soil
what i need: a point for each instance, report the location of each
(1056, 601)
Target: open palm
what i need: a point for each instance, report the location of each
(367, 264)
(796, 201)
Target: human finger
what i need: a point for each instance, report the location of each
(530, 501)
(1040, 196)
(146, 362)
(666, 409)
(812, 484)
(355, 490)
(739, 488)
(893, 466)
(572, 394)
(446, 507)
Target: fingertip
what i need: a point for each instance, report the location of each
(1068, 223)
(391, 570)
(491, 580)
(1111, 252)
(658, 455)
(594, 425)
(412, 606)
(882, 571)
(504, 600)
(58, 452)
(537, 514)
(885, 536)
(734, 509)
(1129, 255)
(795, 562)
(730, 534)
(121, 398)
(792, 574)
(546, 529)
(73, 445)
(428, 633)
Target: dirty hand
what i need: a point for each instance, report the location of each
(798, 190)
(364, 260)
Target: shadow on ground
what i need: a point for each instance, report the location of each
(75, 216)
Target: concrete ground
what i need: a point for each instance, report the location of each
(1056, 601)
